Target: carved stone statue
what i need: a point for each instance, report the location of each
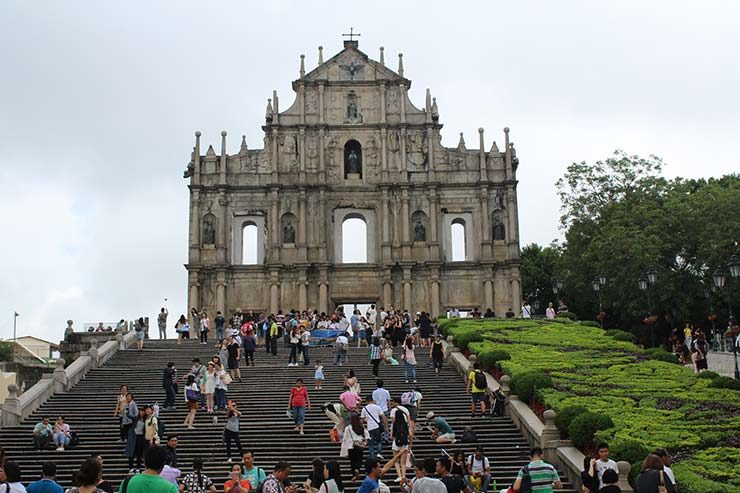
(420, 232)
(209, 233)
(352, 109)
(499, 230)
(353, 162)
(288, 233)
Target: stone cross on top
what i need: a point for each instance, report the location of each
(351, 33)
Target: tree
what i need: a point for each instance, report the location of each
(539, 267)
(6, 351)
(622, 217)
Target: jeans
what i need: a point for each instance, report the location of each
(375, 444)
(220, 333)
(376, 364)
(408, 368)
(249, 356)
(219, 397)
(485, 481)
(299, 415)
(305, 356)
(41, 442)
(204, 336)
(163, 332)
(293, 353)
(61, 440)
(230, 436)
(169, 400)
(339, 355)
(355, 458)
(271, 345)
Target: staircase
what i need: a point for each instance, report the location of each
(262, 397)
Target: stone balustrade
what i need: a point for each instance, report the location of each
(17, 408)
(545, 435)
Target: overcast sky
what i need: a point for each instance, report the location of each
(98, 106)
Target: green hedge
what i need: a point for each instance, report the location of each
(725, 383)
(589, 323)
(621, 335)
(661, 354)
(568, 315)
(526, 385)
(566, 416)
(583, 428)
(490, 359)
(652, 403)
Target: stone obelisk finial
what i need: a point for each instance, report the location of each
(400, 64)
(303, 66)
(321, 55)
(382, 56)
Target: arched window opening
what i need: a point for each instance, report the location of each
(354, 241)
(250, 238)
(459, 248)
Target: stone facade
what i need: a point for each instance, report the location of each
(353, 145)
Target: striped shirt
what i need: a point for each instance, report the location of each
(542, 475)
(374, 352)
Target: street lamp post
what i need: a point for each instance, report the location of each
(720, 278)
(719, 338)
(645, 282)
(596, 285)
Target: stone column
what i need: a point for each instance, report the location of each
(485, 249)
(194, 284)
(274, 226)
(223, 203)
(302, 223)
(407, 289)
(384, 154)
(431, 134)
(488, 294)
(402, 145)
(222, 163)
(275, 162)
(60, 377)
(302, 150)
(323, 291)
(482, 157)
(196, 160)
(402, 100)
(302, 103)
(221, 292)
(516, 292)
(302, 285)
(322, 159)
(406, 217)
(321, 103)
(435, 309)
(512, 230)
(550, 438)
(382, 104)
(433, 239)
(322, 226)
(274, 292)
(387, 289)
(385, 245)
(194, 257)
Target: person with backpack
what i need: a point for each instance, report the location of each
(169, 384)
(340, 349)
(477, 385)
(255, 475)
(151, 427)
(478, 471)
(436, 354)
(453, 482)
(196, 481)
(61, 435)
(538, 475)
(376, 422)
(401, 434)
(192, 394)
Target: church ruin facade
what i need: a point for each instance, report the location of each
(267, 225)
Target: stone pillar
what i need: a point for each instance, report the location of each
(323, 291)
(322, 159)
(321, 103)
(194, 257)
(302, 103)
(550, 438)
(431, 134)
(407, 289)
(221, 292)
(194, 292)
(119, 342)
(488, 294)
(433, 238)
(322, 226)
(385, 221)
(382, 103)
(624, 474)
(274, 226)
(516, 294)
(302, 222)
(60, 377)
(93, 353)
(505, 381)
(11, 415)
(402, 100)
(405, 219)
(485, 249)
(384, 154)
(274, 292)
(513, 233)
(387, 291)
(482, 157)
(274, 144)
(302, 150)
(435, 298)
(223, 202)
(302, 286)
(222, 163)
(402, 145)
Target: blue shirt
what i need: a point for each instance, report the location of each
(368, 485)
(44, 486)
(354, 321)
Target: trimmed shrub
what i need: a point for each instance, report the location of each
(621, 335)
(526, 384)
(489, 359)
(725, 383)
(569, 315)
(660, 354)
(566, 416)
(589, 323)
(629, 450)
(463, 339)
(584, 426)
(710, 375)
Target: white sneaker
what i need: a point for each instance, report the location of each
(60, 449)
(228, 461)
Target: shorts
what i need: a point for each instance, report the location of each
(233, 364)
(396, 447)
(450, 437)
(139, 335)
(412, 412)
(192, 405)
(478, 397)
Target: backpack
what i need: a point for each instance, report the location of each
(161, 430)
(479, 379)
(401, 428)
(526, 486)
(407, 398)
(74, 439)
(468, 435)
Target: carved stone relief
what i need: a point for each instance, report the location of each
(391, 101)
(353, 113)
(416, 151)
(393, 149)
(331, 158)
(289, 151)
(352, 69)
(312, 104)
(312, 151)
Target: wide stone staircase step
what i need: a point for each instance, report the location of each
(262, 397)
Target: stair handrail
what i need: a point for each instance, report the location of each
(17, 408)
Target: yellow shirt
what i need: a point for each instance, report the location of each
(473, 388)
(151, 429)
(687, 332)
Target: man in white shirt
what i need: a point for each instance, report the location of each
(604, 462)
(478, 469)
(663, 454)
(340, 349)
(454, 313)
(424, 482)
(526, 310)
(372, 316)
(381, 396)
(376, 422)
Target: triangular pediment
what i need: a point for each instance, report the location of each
(351, 64)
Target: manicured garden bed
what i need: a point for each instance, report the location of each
(652, 403)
